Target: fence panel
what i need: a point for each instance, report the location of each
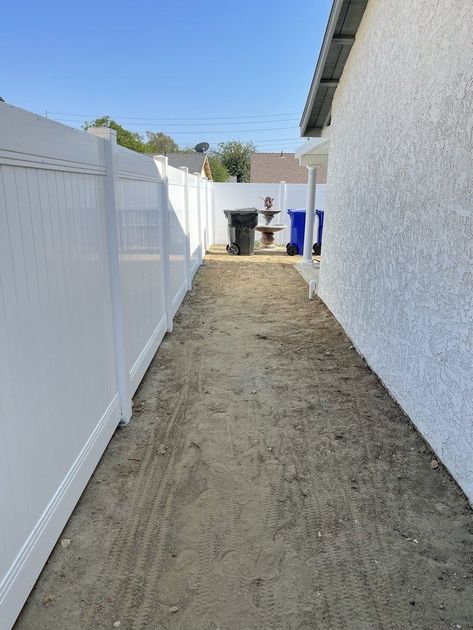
(94, 258)
(141, 269)
(59, 403)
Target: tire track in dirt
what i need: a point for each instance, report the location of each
(347, 572)
(151, 548)
(150, 475)
(152, 539)
(200, 613)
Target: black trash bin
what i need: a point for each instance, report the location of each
(241, 231)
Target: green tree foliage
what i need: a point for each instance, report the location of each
(159, 143)
(219, 171)
(235, 156)
(125, 138)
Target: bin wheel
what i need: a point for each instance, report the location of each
(233, 249)
(317, 249)
(292, 250)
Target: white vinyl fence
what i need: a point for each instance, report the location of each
(98, 247)
(285, 196)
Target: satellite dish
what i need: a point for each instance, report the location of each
(2, 100)
(202, 147)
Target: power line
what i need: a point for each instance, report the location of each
(277, 148)
(249, 122)
(271, 144)
(275, 141)
(259, 142)
(94, 116)
(263, 143)
(203, 131)
(270, 140)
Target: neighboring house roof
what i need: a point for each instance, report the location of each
(279, 167)
(195, 162)
(343, 23)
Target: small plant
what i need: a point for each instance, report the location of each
(268, 202)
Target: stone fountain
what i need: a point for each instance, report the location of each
(269, 229)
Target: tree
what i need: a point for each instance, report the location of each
(125, 138)
(160, 143)
(236, 157)
(219, 171)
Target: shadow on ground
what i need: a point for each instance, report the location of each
(267, 482)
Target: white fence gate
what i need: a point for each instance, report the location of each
(98, 246)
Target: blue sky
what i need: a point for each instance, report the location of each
(197, 70)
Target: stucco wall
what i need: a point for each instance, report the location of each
(397, 265)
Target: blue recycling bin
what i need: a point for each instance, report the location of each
(317, 248)
(296, 245)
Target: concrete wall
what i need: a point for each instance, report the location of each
(397, 269)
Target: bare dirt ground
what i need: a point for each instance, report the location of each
(267, 482)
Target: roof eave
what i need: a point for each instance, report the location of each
(307, 131)
(342, 27)
(312, 132)
(314, 152)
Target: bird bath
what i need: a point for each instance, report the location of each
(268, 229)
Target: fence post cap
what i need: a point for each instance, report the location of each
(163, 160)
(105, 133)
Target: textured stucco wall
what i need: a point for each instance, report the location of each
(397, 266)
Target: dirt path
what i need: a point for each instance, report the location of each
(266, 482)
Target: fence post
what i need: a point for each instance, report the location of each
(213, 213)
(208, 214)
(282, 207)
(282, 196)
(111, 210)
(199, 212)
(165, 238)
(205, 216)
(187, 245)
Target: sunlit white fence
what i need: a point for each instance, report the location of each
(98, 247)
(285, 196)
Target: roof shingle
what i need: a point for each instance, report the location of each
(193, 160)
(280, 167)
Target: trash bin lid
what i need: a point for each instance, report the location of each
(296, 211)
